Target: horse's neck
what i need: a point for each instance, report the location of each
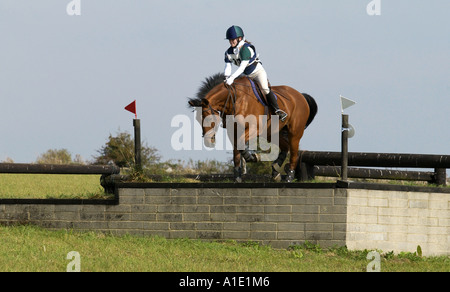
(223, 101)
(237, 101)
(218, 100)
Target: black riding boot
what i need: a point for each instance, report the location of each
(271, 98)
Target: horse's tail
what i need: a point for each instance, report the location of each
(312, 108)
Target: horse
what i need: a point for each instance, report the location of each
(218, 100)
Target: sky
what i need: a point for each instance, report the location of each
(65, 79)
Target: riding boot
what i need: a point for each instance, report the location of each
(271, 98)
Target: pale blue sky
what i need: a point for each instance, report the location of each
(65, 80)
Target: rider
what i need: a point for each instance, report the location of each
(243, 54)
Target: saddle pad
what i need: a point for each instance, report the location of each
(257, 92)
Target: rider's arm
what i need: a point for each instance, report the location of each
(240, 70)
(245, 56)
(227, 70)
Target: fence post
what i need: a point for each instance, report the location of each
(305, 171)
(440, 176)
(137, 144)
(344, 148)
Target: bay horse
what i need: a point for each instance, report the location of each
(218, 100)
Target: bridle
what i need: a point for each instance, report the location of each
(231, 97)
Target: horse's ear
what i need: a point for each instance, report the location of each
(194, 103)
(198, 103)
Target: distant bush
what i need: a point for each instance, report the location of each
(8, 160)
(59, 156)
(55, 156)
(119, 150)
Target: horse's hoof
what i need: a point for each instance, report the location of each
(247, 155)
(277, 177)
(276, 168)
(250, 156)
(290, 174)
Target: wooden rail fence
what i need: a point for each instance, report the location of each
(57, 169)
(105, 170)
(318, 163)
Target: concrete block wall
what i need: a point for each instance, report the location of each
(398, 221)
(277, 216)
(361, 216)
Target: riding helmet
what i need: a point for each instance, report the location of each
(234, 32)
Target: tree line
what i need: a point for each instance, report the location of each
(119, 150)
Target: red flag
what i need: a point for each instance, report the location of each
(132, 108)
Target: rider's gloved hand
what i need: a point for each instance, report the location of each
(229, 80)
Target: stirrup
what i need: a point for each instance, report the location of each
(283, 115)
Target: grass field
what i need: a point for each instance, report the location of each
(28, 248)
(44, 186)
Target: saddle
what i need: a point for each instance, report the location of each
(259, 94)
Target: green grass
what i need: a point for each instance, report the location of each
(45, 186)
(28, 248)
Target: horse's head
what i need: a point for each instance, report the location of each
(211, 104)
(209, 118)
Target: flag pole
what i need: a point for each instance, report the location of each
(344, 148)
(137, 144)
(137, 136)
(345, 103)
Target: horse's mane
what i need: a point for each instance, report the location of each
(206, 87)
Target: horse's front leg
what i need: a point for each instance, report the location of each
(276, 166)
(237, 173)
(290, 168)
(284, 150)
(237, 157)
(239, 135)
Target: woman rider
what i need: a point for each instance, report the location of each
(243, 54)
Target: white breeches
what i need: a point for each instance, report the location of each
(260, 76)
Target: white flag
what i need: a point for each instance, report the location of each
(346, 103)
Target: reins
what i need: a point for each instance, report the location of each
(232, 96)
